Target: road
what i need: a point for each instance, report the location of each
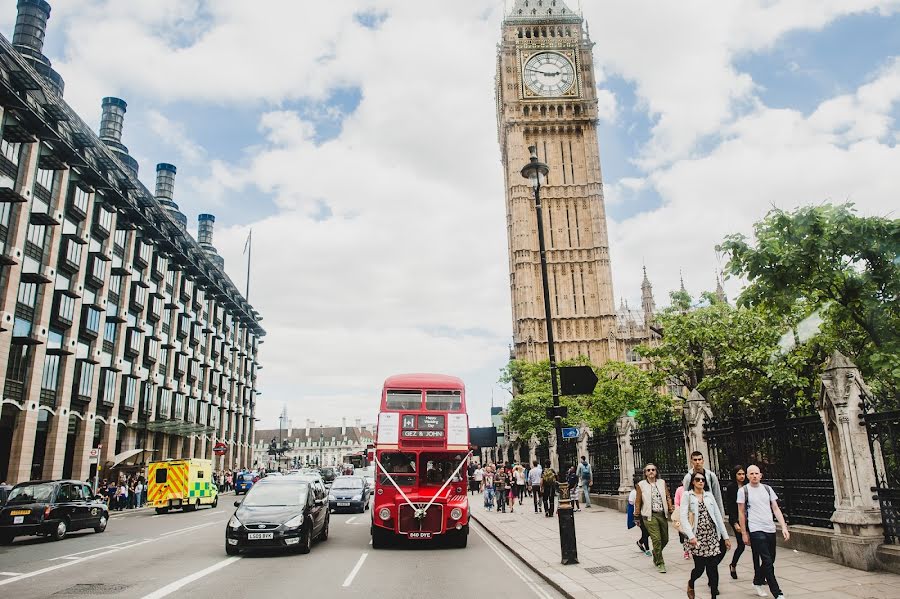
(142, 554)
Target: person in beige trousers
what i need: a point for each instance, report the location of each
(653, 505)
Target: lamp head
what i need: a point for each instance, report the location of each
(535, 171)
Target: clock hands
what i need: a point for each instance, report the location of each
(556, 74)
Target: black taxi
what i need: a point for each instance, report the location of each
(51, 508)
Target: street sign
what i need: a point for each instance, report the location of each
(577, 380)
(570, 432)
(220, 448)
(94, 455)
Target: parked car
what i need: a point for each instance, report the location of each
(51, 508)
(349, 493)
(244, 481)
(278, 513)
(328, 474)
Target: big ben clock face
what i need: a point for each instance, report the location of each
(549, 75)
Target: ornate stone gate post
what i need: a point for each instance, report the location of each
(584, 435)
(857, 516)
(624, 426)
(532, 448)
(696, 411)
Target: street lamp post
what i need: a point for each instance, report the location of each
(321, 447)
(536, 172)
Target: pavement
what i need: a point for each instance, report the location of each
(611, 565)
(182, 554)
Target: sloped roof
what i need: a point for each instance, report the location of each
(353, 434)
(542, 10)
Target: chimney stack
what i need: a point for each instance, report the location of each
(28, 39)
(343, 427)
(206, 224)
(112, 122)
(165, 192)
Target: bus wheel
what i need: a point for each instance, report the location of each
(381, 538)
(459, 539)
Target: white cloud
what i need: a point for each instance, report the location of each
(411, 271)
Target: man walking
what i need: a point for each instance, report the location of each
(587, 481)
(757, 506)
(712, 481)
(534, 481)
(501, 480)
(653, 504)
(548, 489)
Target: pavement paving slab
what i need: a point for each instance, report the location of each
(603, 540)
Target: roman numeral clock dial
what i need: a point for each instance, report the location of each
(549, 74)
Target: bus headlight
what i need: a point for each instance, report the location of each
(456, 513)
(384, 513)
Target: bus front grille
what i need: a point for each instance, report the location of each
(432, 522)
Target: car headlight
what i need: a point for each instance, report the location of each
(234, 523)
(295, 522)
(456, 513)
(384, 513)
(357, 497)
(331, 498)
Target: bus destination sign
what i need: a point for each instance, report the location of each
(422, 426)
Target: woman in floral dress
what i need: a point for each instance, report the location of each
(703, 524)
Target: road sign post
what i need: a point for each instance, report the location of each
(570, 432)
(94, 458)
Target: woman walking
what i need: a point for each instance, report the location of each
(572, 479)
(704, 526)
(739, 479)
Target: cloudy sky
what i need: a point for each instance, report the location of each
(358, 140)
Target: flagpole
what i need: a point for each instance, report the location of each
(249, 254)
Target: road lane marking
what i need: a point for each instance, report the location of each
(350, 520)
(512, 566)
(172, 587)
(111, 549)
(74, 555)
(10, 574)
(355, 570)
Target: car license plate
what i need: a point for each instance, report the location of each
(343, 504)
(257, 536)
(419, 535)
(20, 512)
(18, 519)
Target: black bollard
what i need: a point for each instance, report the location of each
(566, 526)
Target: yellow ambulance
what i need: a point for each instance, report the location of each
(185, 484)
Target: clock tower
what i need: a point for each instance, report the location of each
(546, 97)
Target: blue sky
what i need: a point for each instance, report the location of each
(358, 140)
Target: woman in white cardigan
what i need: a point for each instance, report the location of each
(703, 524)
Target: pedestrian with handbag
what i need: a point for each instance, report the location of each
(653, 505)
(731, 493)
(703, 524)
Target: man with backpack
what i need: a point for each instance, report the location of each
(757, 510)
(548, 489)
(587, 480)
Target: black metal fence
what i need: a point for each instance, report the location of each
(792, 454)
(543, 452)
(663, 445)
(882, 422)
(603, 448)
(568, 455)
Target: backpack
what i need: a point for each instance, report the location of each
(747, 496)
(548, 477)
(585, 471)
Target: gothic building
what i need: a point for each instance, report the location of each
(546, 97)
(118, 330)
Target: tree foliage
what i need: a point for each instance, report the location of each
(828, 259)
(621, 387)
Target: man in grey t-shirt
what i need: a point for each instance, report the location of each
(534, 481)
(757, 509)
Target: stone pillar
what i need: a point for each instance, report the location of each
(554, 456)
(584, 435)
(624, 427)
(532, 449)
(857, 517)
(696, 411)
(22, 450)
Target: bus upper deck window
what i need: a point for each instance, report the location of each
(403, 400)
(445, 401)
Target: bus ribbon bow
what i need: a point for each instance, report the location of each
(421, 512)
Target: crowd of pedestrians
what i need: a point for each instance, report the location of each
(700, 512)
(127, 492)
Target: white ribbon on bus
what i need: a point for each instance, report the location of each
(420, 512)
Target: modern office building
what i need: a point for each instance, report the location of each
(117, 329)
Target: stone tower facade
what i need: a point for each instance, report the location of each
(546, 96)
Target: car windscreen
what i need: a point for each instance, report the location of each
(347, 483)
(246, 477)
(279, 494)
(31, 494)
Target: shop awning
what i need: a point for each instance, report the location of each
(125, 455)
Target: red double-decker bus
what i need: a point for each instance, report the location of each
(421, 457)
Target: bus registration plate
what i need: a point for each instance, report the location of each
(419, 535)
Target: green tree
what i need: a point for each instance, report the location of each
(621, 387)
(837, 263)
